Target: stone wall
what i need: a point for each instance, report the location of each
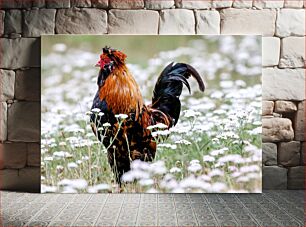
(280, 21)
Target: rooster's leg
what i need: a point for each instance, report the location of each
(119, 164)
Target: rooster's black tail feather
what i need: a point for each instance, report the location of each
(169, 87)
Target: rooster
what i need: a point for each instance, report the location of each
(118, 93)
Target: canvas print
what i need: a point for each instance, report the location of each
(151, 114)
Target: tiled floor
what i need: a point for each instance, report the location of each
(271, 208)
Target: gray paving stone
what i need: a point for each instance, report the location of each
(109, 215)
(90, 213)
(271, 208)
(44, 198)
(37, 223)
(165, 206)
(13, 223)
(228, 223)
(61, 223)
(62, 198)
(180, 198)
(208, 223)
(48, 212)
(98, 198)
(130, 198)
(82, 198)
(26, 198)
(167, 223)
(69, 214)
(148, 198)
(147, 213)
(212, 199)
(115, 198)
(83, 223)
(165, 199)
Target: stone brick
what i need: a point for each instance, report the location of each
(293, 52)
(13, 155)
(81, 21)
(274, 177)
(303, 160)
(25, 180)
(38, 22)
(27, 84)
(55, 4)
(276, 130)
(7, 80)
(3, 121)
(289, 153)
(191, 4)
(299, 122)
(24, 122)
(221, 3)
(293, 4)
(2, 15)
(33, 158)
(159, 4)
(39, 3)
(270, 51)
(242, 4)
(290, 22)
(267, 107)
(283, 84)
(20, 53)
(208, 22)
(248, 21)
(269, 154)
(260, 4)
(13, 21)
(177, 21)
(80, 3)
(99, 3)
(15, 4)
(126, 4)
(296, 177)
(133, 21)
(285, 107)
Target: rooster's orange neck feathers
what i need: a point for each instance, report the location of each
(121, 92)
